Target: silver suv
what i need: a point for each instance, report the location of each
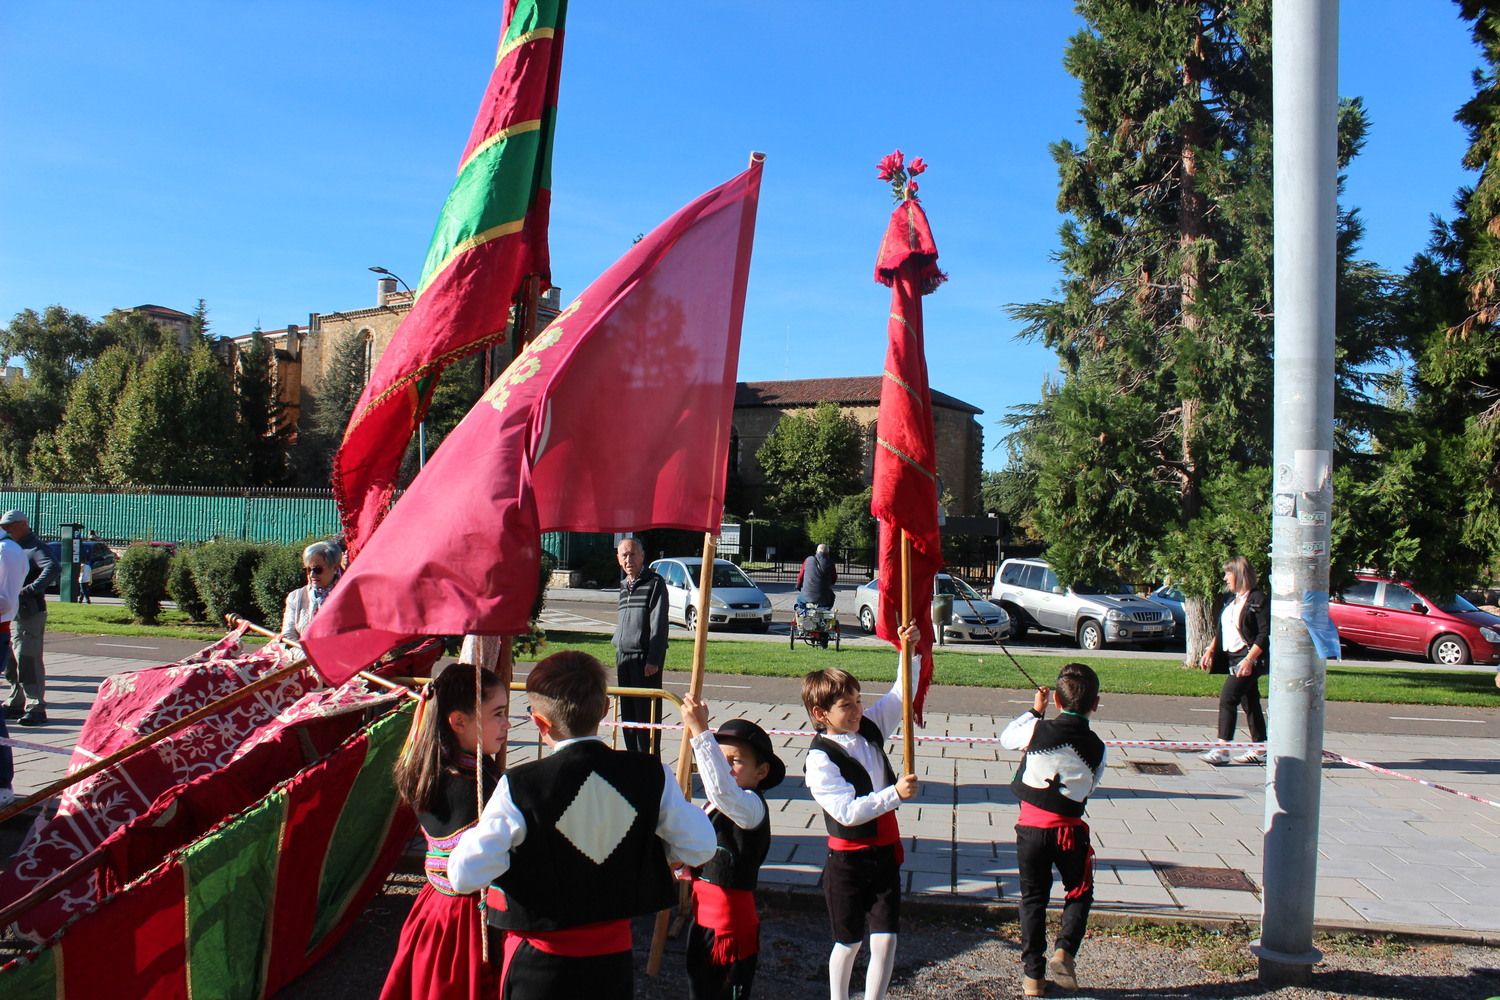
(1030, 593)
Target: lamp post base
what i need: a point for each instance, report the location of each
(1283, 969)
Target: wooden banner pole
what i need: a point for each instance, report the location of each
(908, 750)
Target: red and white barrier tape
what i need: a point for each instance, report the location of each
(28, 745)
(1377, 769)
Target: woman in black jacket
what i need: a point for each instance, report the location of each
(1240, 651)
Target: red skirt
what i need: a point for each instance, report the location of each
(438, 957)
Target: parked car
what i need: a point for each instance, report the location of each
(1382, 613)
(973, 619)
(1092, 614)
(1171, 598)
(97, 555)
(734, 600)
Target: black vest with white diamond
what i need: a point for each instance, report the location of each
(553, 882)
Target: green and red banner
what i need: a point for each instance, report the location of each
(491, 235)
(243, 909)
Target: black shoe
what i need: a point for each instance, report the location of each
(14, 713)
(35, 717)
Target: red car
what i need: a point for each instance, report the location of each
(1381, 613)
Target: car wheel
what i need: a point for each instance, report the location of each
(762, 627)
(867, 619)
(690, 616)
(1017, 621)
(1450, 650)
(1090, 635)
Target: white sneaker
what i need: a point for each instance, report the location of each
(1251, 757)
(7, 796)
(1215, 756)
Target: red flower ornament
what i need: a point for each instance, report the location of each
(894, 169)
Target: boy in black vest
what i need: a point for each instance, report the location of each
(1063, 763)
(577, 844)
(851, 780)
(738, 765)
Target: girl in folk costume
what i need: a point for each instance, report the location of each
(439, 956)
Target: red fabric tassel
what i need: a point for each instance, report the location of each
(730, 914)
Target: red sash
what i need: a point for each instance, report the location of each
(730, 914)
(887, 832)
(1046, 819)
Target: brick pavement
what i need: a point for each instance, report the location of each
(1392, 854)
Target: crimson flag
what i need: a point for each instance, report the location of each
(491, 234)
(905, 495)
(616, 417)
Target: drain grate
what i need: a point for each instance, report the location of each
(1188, 877)
(1155, 767)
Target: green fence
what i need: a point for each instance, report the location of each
(121, 515)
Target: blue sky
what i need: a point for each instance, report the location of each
(261, 156)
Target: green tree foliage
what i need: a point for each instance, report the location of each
(331, 408)
(74, 453)
(135, 332)
(199, 326)
(177, 424)
(812, 462)
(53, 346)
(1437, 491)
(1152, 456)
(223, 573)
(278, 573)
(263, 447)
(846, 526)
(141, 581)
(457, 390)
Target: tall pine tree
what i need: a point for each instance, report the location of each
(263, 454)
(1153, 454)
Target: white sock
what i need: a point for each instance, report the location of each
(882, 962)
(840, 966)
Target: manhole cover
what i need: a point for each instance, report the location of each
(1153, 767)
(1188, 877)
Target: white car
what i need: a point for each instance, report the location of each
(734, 599)
(973, 618)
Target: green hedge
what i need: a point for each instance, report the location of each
(223, 572)
(141, 581)
(279, 573)
(183, 589)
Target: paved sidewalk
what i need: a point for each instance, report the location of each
(1392, 854)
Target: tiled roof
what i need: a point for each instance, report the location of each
(858, 390)
(161, 311)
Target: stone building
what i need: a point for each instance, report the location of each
(174, 323)
(304, 352)
(759, 406)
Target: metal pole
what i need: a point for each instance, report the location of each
(1305, 124)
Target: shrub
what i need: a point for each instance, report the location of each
(279, 573)
(222, 572)
(181, 587)
(141, 581)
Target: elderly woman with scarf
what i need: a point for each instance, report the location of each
(320, 562)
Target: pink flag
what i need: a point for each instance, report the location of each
(615, 418)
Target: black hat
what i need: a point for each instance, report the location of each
(746, 732)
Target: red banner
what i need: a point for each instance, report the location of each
(614, 418)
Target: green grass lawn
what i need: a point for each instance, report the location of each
(762, 659)
(113, 619)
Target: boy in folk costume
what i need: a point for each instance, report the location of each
(738, 766)
(576, 844)
(851, 779)
(1062, 765)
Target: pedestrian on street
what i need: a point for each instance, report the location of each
(640, 642)
(25, 672)
(85, 579)
(1240, 650)
(13, 566)
(816, 578)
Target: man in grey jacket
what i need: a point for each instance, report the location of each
(28, 679)
(640, 642)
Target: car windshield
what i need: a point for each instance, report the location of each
(730, 576)
(954, 587)
(1106, 586)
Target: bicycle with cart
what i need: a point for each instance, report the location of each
(815, 626)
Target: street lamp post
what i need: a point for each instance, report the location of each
(751, 521)
(421, 424)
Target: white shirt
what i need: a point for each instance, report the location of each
(483, 853)
(13, 566)
(85, 573)
(1229, 625)
(831, 792)
(741, 805)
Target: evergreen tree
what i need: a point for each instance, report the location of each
(74, 453)
(53, 347)
(1153, 454)
(198, 325)
(456, 393)
(177, 424)
(263, 454)
(1442, 477)
(812, 462)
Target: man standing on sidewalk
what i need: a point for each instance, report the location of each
(13, 567)
(28, 679)
(640, 642)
